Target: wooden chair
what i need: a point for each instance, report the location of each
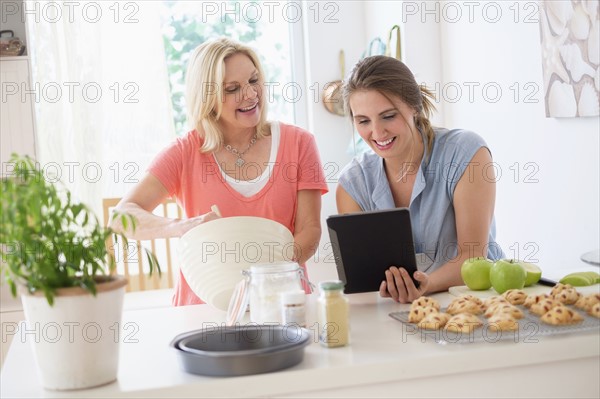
(128, 259)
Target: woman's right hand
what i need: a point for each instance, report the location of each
(399, 286)
(188, 224)
(140, 203)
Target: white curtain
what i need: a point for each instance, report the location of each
(103, 106)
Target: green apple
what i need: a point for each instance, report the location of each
(576, 280)
(581, 279)
(534, 273)
(592, 276)
(475, 273)
(507, 274)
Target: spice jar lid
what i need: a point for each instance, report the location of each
(293, 297)
(238, 302)
(331, 285)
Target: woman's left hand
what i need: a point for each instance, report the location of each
(399, 286)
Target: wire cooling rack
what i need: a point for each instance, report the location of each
(530, 329)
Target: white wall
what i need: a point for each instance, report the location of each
(555, 219)
(559, 212)
(323, 41)
(421, 55)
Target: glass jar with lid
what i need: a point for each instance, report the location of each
(263, 288)
(267, 283)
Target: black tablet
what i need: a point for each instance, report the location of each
(366, 244)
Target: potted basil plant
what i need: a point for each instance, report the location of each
(54, 253)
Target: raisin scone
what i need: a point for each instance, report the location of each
(543, 306)
(515, 297)
(595, 310)
(425, 302)
(504, 308)
(567, 296)
(417, 314)
(533, 299)
(559, 287)
(561, 315)
(465, 305)
(472, 298)
(586, 302)
(493, 300)
(502, 322)
(463, 323)
(434, 321)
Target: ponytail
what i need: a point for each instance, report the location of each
(422, 121)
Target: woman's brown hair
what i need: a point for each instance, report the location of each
(394, 80)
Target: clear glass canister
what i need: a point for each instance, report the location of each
(267, 283)
(333, 314)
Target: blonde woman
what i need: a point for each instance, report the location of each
(443, 176)
(233, 158)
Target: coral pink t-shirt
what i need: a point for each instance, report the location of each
(196, 181)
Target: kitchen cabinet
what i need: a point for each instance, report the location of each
(17, 133)
(384, 359)
(17, 124)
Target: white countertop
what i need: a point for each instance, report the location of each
(384, 359)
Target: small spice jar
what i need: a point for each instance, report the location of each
(333, 314)
(293, 308)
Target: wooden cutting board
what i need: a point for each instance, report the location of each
(533, 290)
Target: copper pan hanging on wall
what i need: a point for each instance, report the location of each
(332, 92)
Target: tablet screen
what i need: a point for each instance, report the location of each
(366, 244)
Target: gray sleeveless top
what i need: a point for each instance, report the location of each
(431, 210)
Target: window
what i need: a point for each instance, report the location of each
(187, 24)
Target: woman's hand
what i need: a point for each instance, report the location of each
(307, 230)
(188, 224)
(399, 286)
(140, 203)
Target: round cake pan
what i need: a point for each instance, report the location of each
(241, 350)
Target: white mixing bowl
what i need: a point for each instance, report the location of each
(214, 254)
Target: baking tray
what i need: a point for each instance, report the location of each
(530, 329)
(241, 350)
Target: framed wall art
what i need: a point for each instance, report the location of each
(571, 57)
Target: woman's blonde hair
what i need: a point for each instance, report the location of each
(394, 80)
(204, 89)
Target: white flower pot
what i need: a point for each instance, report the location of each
(76, 341)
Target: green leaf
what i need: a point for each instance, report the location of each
(13, 288)
(153, 262)
(49, 294)
(124, 222)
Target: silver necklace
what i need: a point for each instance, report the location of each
(239, 162)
